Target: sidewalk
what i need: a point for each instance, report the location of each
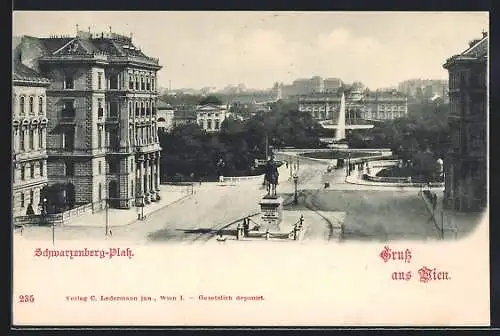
(452, 224)
(123, 217)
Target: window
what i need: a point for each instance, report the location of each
(113, 109)
(69, 139)
(41, 168)
(99, 137)
(131, 188)
(23, 173)
(131, 136)
(68, 82)
(99, 167)
(130, 81)
(99, 191)
(32, 106)
(22, 102)
(131, 165)
(22, 135)
(148, 111)
(22, 200)
(143, 109)
(114, 166)
(32, 139)
(32, 196)
(114, 140)
(40, 105)
(137, 111)
(40, 138)
(217, 124)
(99, 81)
(113, 82)
(148, 84)
(137, 82)
(100, 108)
(68, 110)
(153, 109)
(152, 83)
(209, 124)
(70, 168)
(130, 110)
(143, 85)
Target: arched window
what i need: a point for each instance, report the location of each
(147, 108)
(143, 110)
(143, 85)
(130, 81)
(40, 105)
(137, 82)
(153, 109)
(22, 102)
(148, 83)
(137, 111)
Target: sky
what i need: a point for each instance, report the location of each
(200, 49)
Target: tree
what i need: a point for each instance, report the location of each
(211, 99)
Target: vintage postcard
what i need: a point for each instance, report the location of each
(250, 168)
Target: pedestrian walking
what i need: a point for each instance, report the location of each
(111, 233)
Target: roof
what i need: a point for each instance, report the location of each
(21, 72)
(478, 50)
(162, 105)
(110, 45)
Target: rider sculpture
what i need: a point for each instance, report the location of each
(271, 177)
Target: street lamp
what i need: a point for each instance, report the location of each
(107, 218)
(295, 180)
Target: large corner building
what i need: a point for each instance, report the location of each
(465, 167)
(101, 108)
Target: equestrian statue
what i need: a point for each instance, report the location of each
(271, 177)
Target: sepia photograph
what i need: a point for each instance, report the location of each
(250, 168)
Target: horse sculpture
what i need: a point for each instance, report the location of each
(271, 177)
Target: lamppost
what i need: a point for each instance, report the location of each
(107, 218)
(295, 180)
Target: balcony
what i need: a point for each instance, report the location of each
(112, 120)
(147, 148)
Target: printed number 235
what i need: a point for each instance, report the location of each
(26, 298)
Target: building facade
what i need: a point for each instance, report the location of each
(465, 165)
(29, 134)
(359, 105)
(102, 126)
(165, 117)
(210, 117)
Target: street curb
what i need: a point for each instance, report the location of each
(135, 220)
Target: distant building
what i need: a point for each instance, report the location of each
(465, 166)
(29, 138)
(375, 105)
(184, 114)
(165, 116)
(424, 89)
(332, 84)
(210, 117)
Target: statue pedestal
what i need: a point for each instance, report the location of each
(272, 213)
